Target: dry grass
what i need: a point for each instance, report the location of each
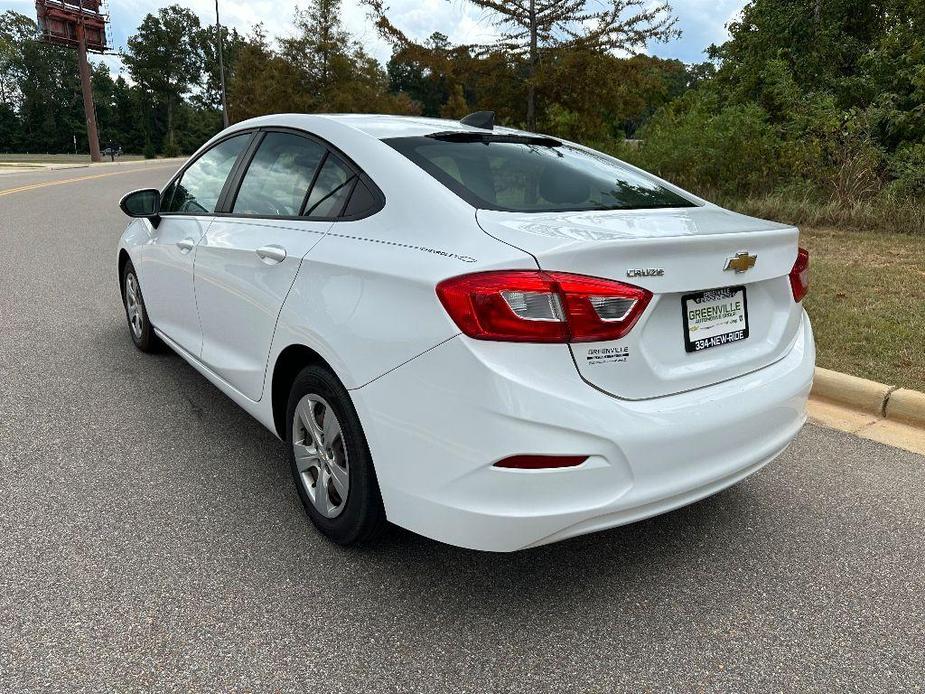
(879, 214)
(867, 303)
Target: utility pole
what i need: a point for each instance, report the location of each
(221, 64)
(87, 88)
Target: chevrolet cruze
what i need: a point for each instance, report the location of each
(494, 338)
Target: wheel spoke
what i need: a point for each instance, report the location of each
(307, 415)
(340, 478)
(306, 456)
(322, 500)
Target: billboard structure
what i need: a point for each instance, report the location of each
(84, 25)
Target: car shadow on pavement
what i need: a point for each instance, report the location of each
(657, 549)
(660, 546)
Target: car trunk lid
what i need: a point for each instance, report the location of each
(681, 256)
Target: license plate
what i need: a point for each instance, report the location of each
(713, 318)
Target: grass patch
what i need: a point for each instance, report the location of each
(884, 213)
(867, 303)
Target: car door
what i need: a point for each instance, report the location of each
(187, 206)
(288, 195)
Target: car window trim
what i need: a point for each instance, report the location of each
(331, 149)
(311, 185)
(179, 174)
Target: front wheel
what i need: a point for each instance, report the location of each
(330, 460)
(139, 325)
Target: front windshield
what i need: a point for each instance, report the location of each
(540, 176)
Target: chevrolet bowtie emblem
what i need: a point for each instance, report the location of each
(741, 261)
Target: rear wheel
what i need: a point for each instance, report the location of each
(330, 460)
(139, 325)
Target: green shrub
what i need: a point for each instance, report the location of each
(171, 149)
(149, 152)
(730, 151)
(908, 169)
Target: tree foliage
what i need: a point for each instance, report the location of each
(839, 86)
(530, 30)
(320, 68)
(812, 99)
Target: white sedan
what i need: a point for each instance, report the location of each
(493, 338)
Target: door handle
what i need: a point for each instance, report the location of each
(186, 245)
(271, 254)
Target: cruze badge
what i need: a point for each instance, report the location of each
(741, 262)
(645, 272)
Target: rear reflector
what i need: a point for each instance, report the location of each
(541, 462)
(799, 275)
(537, 306)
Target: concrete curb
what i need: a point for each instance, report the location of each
(850, 391)
(871, 410)
(870, 397)
(907, 406)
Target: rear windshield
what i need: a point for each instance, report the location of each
(522, 174)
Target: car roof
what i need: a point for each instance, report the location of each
(375, 125)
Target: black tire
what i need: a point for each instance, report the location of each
(142, 334)
(362, 518)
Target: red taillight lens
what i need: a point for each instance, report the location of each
(799, 275)
(541, 462)
(536, 306)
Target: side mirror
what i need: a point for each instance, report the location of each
(142, 203)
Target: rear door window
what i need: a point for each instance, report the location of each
(331, 189)
(279, 176)
(200, 186)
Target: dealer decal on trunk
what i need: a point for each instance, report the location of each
(607, 355)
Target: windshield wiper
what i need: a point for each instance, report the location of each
(487, 138)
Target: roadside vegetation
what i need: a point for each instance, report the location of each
(813, 113)
(867, 303)
(20, 159)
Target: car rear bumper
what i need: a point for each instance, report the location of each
(436, 426)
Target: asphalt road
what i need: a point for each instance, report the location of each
(150, 537)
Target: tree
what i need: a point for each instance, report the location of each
(319, 69)
(165, 59)
(210, 95)
(15, 30)
(819, 44)
(530, 28)
(424, 75)
(321, 46)
(264, 82)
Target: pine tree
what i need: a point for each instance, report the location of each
(529, 27)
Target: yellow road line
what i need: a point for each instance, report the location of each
(45, 184)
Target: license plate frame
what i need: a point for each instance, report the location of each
(717, 339)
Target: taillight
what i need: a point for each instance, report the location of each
(799, 275)
(536, 306)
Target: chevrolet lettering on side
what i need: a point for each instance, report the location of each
(437, 319)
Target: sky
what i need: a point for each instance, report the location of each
(702, 22)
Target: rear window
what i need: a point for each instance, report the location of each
(522, 174)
